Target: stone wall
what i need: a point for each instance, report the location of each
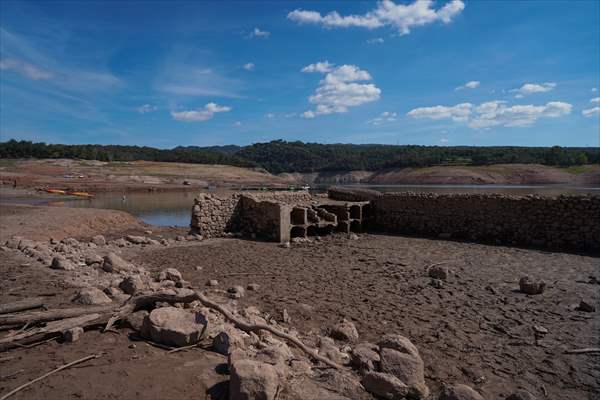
(352, 194)
(564, 222)
(214, 215)
(264, 219)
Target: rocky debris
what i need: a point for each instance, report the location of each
(527, 286)
(91, 296)
(353, 236)
(173, 326)
(93, 259)
(344, 331)
(365, 357)
(115, 264)
(436, 283)
(521, 395)
(62, 263)
(586, 307)
(132, 284)
(99, 240)
(13, 242)
(438, 272)
(73, 334)
(285, 245)
(120, 242)
(170, 274)
(253, 287)
(252, 380)
(136, 320)
(212, 282)
(116, 294)
(136, 239)
(228, 340)
(384, 385)
(401, 358)
(328, 349)
(236, 292)
(460, 392)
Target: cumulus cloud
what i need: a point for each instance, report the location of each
(202, 114)
(375, 40)
(402, 17)
(249, 66)
(494, 113)
(257, 33)
(531, 88)
(469, 85)
(341, 89)
(384, 117)
(23, 68)
(595, 100)
(146, 108)
(591, 111)
(322, 67)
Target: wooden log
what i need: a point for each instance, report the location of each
(21, 305)
(34, 317)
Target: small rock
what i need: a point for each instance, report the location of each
(253, 287)
(99, 240)
(173, 326)
(540, 329)
(136, 239)
(286, 317)
(285, 245)
(132, 284)
(460, 392)
(251, 380)
(132, 346)
(236, 292)
(170, 274)
(438, 272)
(521, 395)
(147, 232)
(91, 296)
(528, 286)
(328, 348)
(345, 331)
(227, 340)
(62, 263)
(353, 236)
(92, 259)
(114, 263)
(437, 283)
(212, 282)
(136, 320)
(586, 307)
(384, 385)
(180, 238)
(73, 334)
(365, 357)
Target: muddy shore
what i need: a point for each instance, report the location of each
(477, 329)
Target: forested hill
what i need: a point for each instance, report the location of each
(280, 156)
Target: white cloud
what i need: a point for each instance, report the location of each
(340, 90)
(256, 32)
(469, 85)
(444, 140)
(27, 70)
(375, 40)
(249, 66)
(591, 111)
(384, 117)
(270, 115)
(595, 100)
(594, 89)
(237, 123)
(322, 67)
(399, 16)
(530, 88)
(146, 108)
(494, 113)
(202, 114)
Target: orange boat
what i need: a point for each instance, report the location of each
(56, 191)
(81, 194)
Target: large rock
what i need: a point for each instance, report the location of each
(252, 380)
(136, 239)
(439, 272)
(62, 263)
(173, 326)
(365, 357)
(528, 286)
(132, 284)
(460, 392)
(91, 296)
(328, 348)
(228, 339)
(99, 240)
(401, 358)
(136, 320)
(114, 263)
(170, 274)
(384, 385)
(344, 331)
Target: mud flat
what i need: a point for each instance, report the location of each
(473, 326)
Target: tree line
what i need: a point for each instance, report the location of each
(281, 156)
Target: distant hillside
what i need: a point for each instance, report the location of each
(297, 157)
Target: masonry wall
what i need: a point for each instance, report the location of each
(214, 215)
(564, 222)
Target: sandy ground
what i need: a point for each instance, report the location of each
(476, 330)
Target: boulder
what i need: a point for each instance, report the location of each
(62, 263)
(170, 274)
(252, 380)
(136, 320)
(91, 296)
(99, 240)
(401, 358)
(136, 239)
(438, 272)
(173, 326)
(344, 331)
(460, 392)
(132, 284)
(92, 259)
(328, 349)
(115, 264)
(228, 339)
(385, 386)
(73, 334)
(529, 286)
(365, 357)
(521, 395)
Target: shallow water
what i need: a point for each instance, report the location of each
(174, 208)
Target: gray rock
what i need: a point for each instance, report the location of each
(113, 263)
(345, 331)
(73, 334)
(99, 240)
(227, 340)
(401, 358)
(328, 348)
(460, 392)
(136, 239)
(132, 284)
(62, 263)
(236, 292)
(170, 274)
(528, 286)
(253, 287)
(136, 320)
(365, 357)
(521, 395)
(437, 283)
(92, 259)
(174, 326)
(252, 380)
(212, 282)
(586, 307)
(438, 272)
(91, 296)
(384, 385)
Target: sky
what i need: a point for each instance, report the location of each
(166, 74)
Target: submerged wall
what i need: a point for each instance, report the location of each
(564, 222)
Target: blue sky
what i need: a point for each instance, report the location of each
(164, 74)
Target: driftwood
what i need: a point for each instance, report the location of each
(34, 317)
(69, 365)
(21, 305)
(135, 303)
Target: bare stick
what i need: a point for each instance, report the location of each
(21, 305)
(33, 317)
(583, 351)
(69, 365)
